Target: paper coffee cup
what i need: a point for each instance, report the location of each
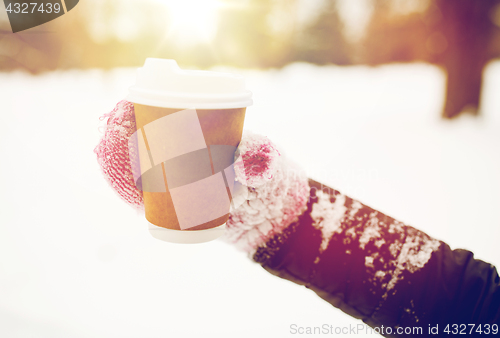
(189, 124)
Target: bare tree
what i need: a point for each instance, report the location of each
(468, 30)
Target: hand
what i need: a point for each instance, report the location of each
(270, 192)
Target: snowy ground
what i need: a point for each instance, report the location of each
(76, 261)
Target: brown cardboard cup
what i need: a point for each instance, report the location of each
(220, 127)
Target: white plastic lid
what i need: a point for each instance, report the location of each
(161, 83)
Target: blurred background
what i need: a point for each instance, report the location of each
(461, 36)
(360, 93)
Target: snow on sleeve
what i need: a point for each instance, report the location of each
(415, 253)
(393, 248)
(327, 216)
(388, 247)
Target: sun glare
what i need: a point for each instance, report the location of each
(192, 21)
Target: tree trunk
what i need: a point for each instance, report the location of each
(467, 28)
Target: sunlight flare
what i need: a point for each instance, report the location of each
(192, 21)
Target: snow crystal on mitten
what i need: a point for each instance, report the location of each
(278, 191)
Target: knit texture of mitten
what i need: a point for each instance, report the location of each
(113, 153)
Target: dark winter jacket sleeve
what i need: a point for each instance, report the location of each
(379, 270)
